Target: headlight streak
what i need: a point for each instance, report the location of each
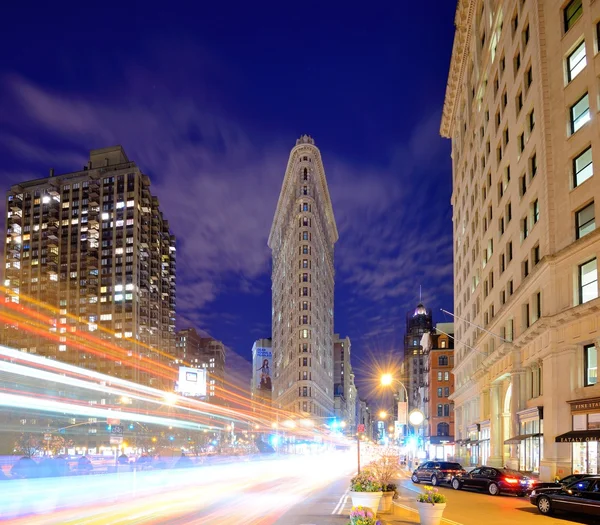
(219, 494)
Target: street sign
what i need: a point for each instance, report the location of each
(361, 428)
(112, 421)
(116, 440)
(47, 437)
(117, 430)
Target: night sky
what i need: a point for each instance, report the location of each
(208, 100)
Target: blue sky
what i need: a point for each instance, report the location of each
(209, 97)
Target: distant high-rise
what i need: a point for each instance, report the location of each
(344, 389)
(196, 351)
(93, 246)
(418, 322)
(302, 240)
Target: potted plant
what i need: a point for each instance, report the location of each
(431, 505)
(363, 516)
(365, 490)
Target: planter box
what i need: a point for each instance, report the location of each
(366, 499)
(430, 514)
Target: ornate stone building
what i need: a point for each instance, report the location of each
(521, 109)
(302, 240)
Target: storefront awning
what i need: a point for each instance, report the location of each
(517, 439)
(579, 436)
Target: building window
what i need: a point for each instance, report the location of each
(446, 376)
(580, 113)
(305, 236)
(583, 168)
(446, 410)
(572, 13)
(443, 360)
(440, 410)
(591, 364)
(524, 228)
(446, 391)
(304, 305)
(443, 344)
(439, 391)
(443, 429)
(439, 376)
(305, 250)
(588, 281)
(536, 211)
(585, 221)
(576, 61)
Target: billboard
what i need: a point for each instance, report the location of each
(192, 381)
(402, 412)
(262, 367)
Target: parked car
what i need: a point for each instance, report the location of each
(494, 481)
(559, 483)
(436, 472)
(581, 496)
(25, 467)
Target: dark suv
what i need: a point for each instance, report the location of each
(436, 472)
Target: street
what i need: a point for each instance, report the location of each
(466, 507)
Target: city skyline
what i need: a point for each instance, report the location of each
(390, 187)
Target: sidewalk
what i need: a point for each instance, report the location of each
(403, 510)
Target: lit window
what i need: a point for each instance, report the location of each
(588, 281)
(580, 113)
(576, 61)
(585, 221)
(572, 13)
(583, 168)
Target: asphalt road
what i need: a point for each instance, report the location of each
(466, 507)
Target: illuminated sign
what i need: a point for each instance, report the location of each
(192, 381)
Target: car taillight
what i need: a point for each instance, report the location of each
(511, 480)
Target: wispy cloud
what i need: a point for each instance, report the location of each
(218, 186)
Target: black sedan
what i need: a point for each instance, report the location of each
(494, 481)
(582, 496)
(559, 483)
(436, 472)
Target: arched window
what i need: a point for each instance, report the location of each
(443, 360)
(443, 429)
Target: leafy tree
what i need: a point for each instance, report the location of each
(29, 444)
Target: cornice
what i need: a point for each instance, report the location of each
(462, 37)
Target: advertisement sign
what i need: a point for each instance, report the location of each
(399, 428)
(402, 412)
(262, 363)
(192, 381)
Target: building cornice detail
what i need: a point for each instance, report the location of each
(462, 38)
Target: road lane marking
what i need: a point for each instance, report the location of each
(341, 511)
(341, 502)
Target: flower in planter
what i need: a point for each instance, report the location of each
(431, 495)
(362, 516)
(366, 481)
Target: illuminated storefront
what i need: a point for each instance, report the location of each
(530, 440)
(584, 438)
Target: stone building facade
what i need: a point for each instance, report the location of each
(521, 110)
(302, 241)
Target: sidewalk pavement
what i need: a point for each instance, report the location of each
(403, 509)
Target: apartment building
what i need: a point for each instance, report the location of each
(90, 266)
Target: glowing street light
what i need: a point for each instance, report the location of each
(416, 417)
(386, 379)
(382, 414)
(170, 398)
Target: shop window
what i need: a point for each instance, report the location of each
(443, 429)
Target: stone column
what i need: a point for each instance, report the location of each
(559, 380)
(516, 403)
(496, 444)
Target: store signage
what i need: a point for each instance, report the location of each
(578, 439)
(585, 404)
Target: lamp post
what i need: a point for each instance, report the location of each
(416, 416)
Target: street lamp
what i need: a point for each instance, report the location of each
(382, 414)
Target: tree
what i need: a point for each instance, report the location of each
(29, 444)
